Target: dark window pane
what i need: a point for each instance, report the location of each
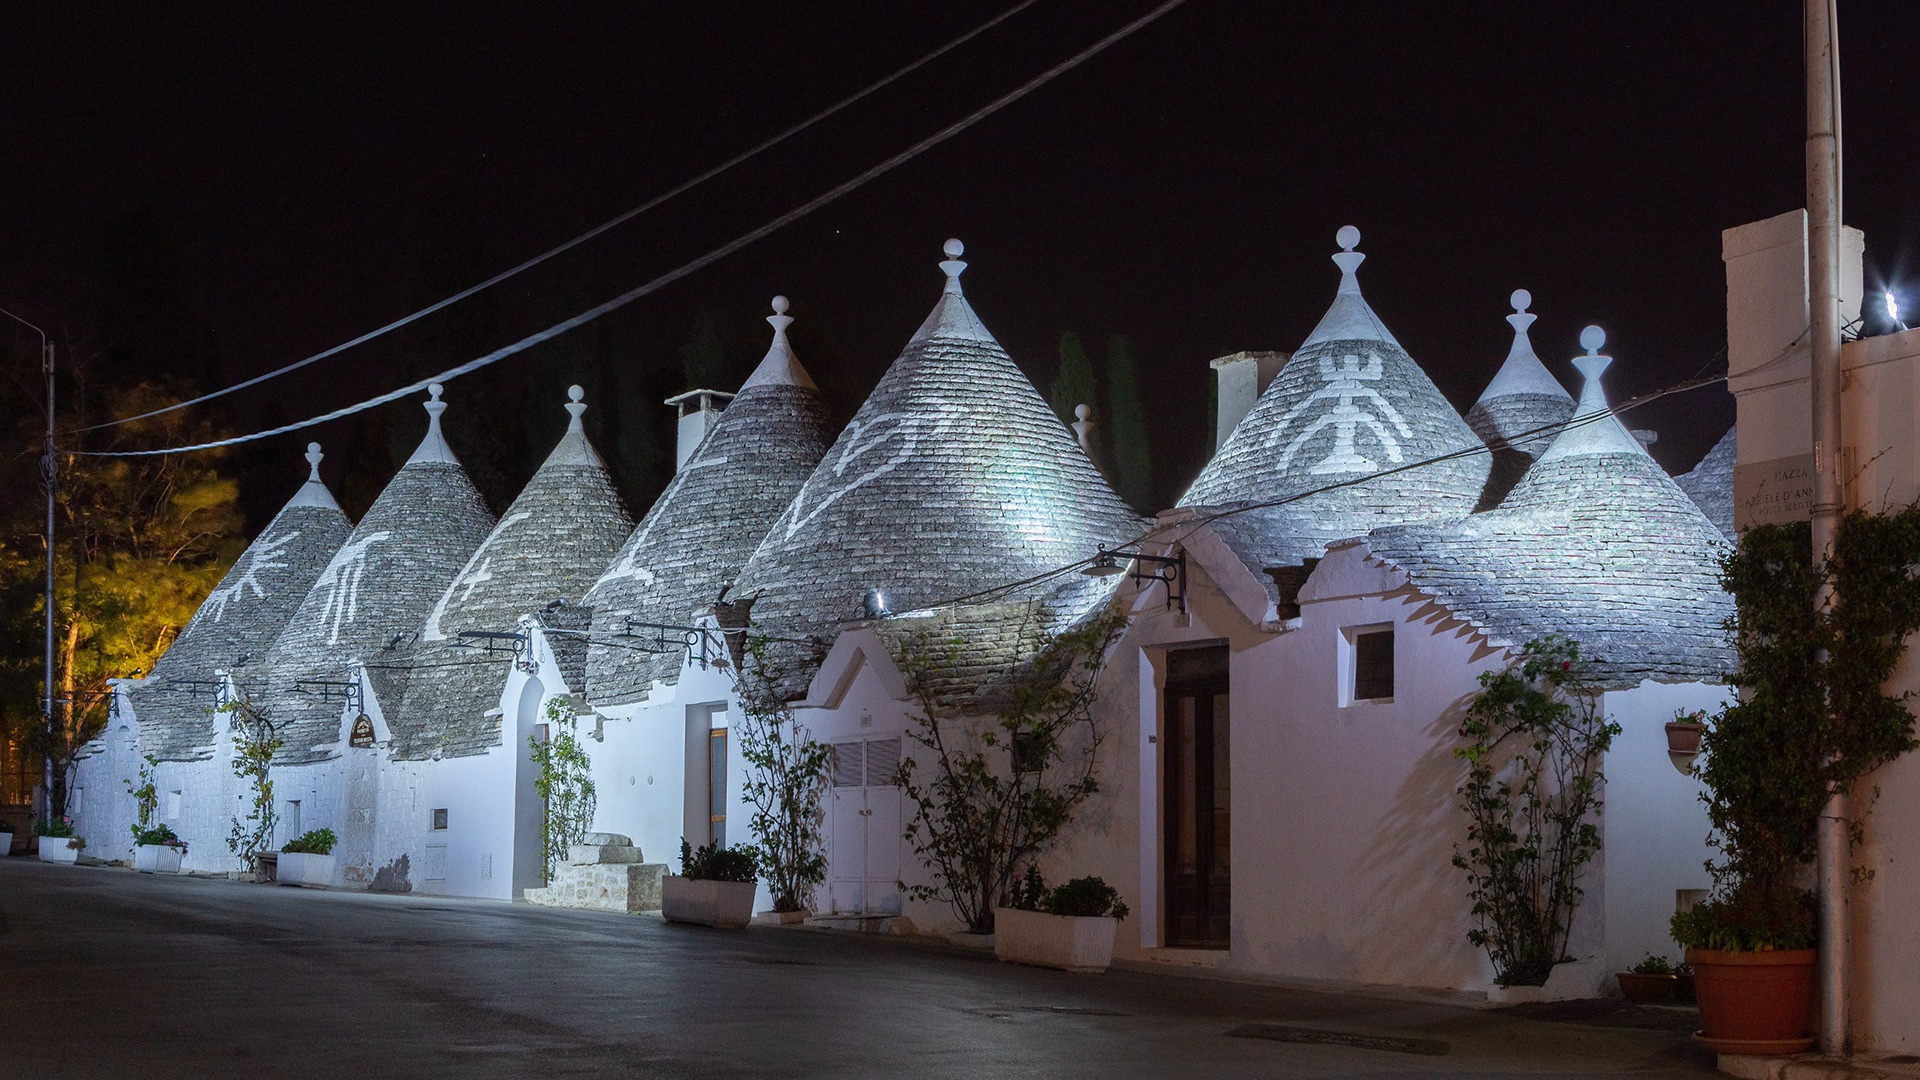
(1373, 665)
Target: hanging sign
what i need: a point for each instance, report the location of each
(362, 734)
(1773, 492)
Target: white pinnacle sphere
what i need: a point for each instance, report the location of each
(434, 390)
(313, 448)
(1082, 412)
(779, 305)
(575, 393)
(1348, 238)
(1521, 299)
(1592, 338)
(954, 249)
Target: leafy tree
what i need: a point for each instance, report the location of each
(254, 744)
(787, 784)
(1000, 791)
(1535, 743)
(1127, 428)
(564, 782)
(1074, 385)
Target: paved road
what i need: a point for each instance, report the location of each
(106, 973)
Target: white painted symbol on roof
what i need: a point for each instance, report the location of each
(341, 579)
(471, 577)
(265, 554)
(1346, 416)
(862, 439)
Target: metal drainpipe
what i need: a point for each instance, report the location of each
(1823, 261)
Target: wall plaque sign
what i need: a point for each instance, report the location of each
(1773, 492)
(362, 734)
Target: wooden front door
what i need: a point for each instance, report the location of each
(1197, 790)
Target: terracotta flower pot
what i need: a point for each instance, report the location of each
(1637, 987)
(1753, 1002)
(1683, 737)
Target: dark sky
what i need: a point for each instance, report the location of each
(1182, 188)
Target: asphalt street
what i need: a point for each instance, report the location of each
(108, 973)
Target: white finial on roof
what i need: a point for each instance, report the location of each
(953, 266)
(576, 404)
(1593, 430)
(1349, 318)
(434, 447)
(1348, 260)
(1523, 375)
(1083, 427)
(314, 492)
(779, 367)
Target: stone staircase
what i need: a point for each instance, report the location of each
(605, 873)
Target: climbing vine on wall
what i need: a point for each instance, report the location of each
(787, 772)
(254, 744)
(997, 792)
(146, 795)
(1813, 716)
(1535, 741)
(564, 782)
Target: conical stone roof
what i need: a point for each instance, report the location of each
(1523, 396)
(955, 476)
(549, 546)
(369, 602)
(239, 619)
(1710, 484)
(1597, 543)
(693, 542)
(1349, 403)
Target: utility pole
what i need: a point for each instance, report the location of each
(1823, 310)
(48, 476)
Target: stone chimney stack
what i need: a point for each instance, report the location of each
(699, 411)
(1240, 379)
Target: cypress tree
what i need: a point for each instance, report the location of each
(1132, 458)
(1074, 385)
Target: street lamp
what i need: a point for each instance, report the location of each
(47, 478)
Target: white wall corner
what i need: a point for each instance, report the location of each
(1349, 570)
(1240, 584)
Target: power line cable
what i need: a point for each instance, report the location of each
(709, 258)
(590, 233)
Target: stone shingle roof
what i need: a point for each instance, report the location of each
(700, 532)
(954, 476)
(1710, 484)
(239, 618)
(375, 593)
(550, 545)
(1596, 543)
(1350, 402)
(1523, 396)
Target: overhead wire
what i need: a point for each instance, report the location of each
(721, 252)
(597, 230)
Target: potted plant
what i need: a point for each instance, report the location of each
(1651, 979)
(1685, 731)
(57, 842)
(6, 840)
(1815, 644)
(156, 850)
(715, 887)
(307, 859)
(1070, 927)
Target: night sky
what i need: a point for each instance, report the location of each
(1182, 188)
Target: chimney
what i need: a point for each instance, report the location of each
(1241, 378)
(699, 411)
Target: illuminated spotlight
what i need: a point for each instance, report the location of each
(1893, 306)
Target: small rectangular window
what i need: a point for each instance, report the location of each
(1373, 665)
(439, 819)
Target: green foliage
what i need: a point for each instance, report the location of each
(1535, 742)
(60, 826)
(1083, 897)
(1002, 791)
(711, 862)
(1127, 444)
(254, 744)
(145, 797)
(1073, 386)
(1653, 965)
(1812, 719)
(787, 775)
(564, 781)
(161, 835)
(311, 842)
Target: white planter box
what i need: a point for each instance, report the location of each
(1068, 942)
(6, 844)
(708, 903)
(1571, 980)
(55, 849)
(299, 868)
(156, 858)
